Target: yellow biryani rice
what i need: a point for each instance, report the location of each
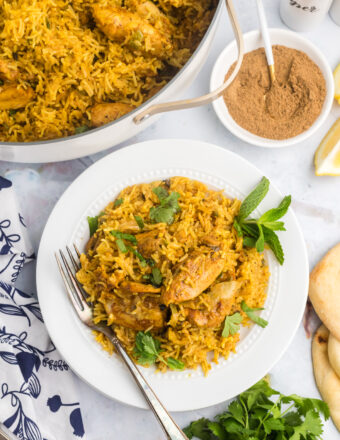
(55, 51)
(203, 213)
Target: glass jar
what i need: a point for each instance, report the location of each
(304, 15)
(335, 11)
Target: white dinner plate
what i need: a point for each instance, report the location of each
(258, 350)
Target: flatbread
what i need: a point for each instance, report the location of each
(326, 379)
(334, 353)
(324, 290)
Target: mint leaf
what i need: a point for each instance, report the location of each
(238, 228)
(231, 324)
(118, 202)
(251, 202)
(139, 221)
(249, 242)
(175, 364)
(124, 236)
(274, 226)
(93, 224)
(253, 316)
(260, 241)
(276, 213)
(273, 242)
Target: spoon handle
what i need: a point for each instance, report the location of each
(266, 38)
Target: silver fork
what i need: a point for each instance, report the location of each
(84, 311)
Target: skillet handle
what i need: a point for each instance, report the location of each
(209, 97)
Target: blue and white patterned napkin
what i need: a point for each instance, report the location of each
(38, 399)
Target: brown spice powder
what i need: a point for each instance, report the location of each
(284, 109)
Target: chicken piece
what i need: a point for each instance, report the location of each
(12, 98)
(101, 114)
(8, 70)
(211, 241)
(149, 242)
(221, 298)
(155, 17)
(134, 287)
(138, 312)
(197, 273)
(127, 27)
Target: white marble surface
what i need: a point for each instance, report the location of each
(316, 203)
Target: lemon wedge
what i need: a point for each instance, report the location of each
(336, 75)
(327, 156)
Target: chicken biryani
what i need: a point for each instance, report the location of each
(70, 65)
(166, 269)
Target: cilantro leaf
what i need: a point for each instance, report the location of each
(122, 235)
(147, 351)
(146, 348)
(253, 316)
(251, 202)
(81, 129)
(254, 416)
(140, 257)
(160, 192)
(175, 364)
(93, 224)
(165, 212)
(118, 202)
(218, 430)
(156, 276)
(139, 221)
(199, 429)
(231, 324)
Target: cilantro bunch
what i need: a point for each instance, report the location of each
(256, 415)
(168, 207)
(257, 232)
(148, 351)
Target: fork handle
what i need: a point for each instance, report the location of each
(172, 431)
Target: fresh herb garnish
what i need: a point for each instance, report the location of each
(257, 232)
(165, 212)
(255, 415)
(175, 364)
(140, 257)
(93, 224)
(253, 316)
(48, 24)
(124, 236)
(81, 129)
(231, 324)
(147, 351)
(139, 221)
(118, 202)
(1, 82)
(156, 276)
(12, 112)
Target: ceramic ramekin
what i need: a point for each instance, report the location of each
(252, 41)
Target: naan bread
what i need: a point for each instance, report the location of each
(334, 353)
(324, 290)
(326, 379)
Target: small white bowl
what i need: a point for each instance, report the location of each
(252, 41)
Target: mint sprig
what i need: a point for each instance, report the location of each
(258, 232)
